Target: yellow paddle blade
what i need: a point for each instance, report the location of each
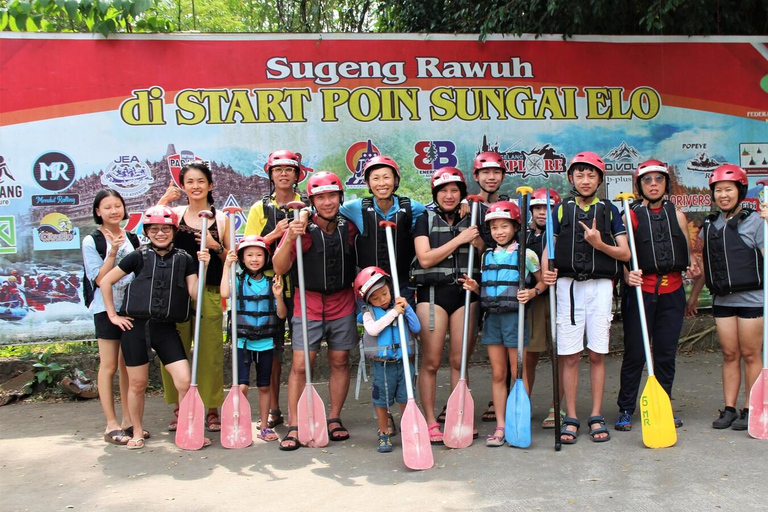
(657, 418)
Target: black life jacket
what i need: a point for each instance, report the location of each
(730, 264)
(159, 290)
(329, 264)
(660, 243)
(256, 315)
(274, 214)
(574, 256)
(535, 242)
(371, 243)
(454, 265)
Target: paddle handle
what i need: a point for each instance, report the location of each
(233, 301)
(553, 323)
(201, 272)
(764, 183)
(303, 298)
(468, 294)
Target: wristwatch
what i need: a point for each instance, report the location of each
(220, 249)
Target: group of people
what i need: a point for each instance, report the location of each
(143, 295)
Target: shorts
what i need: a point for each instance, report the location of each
(501, 329)
(737, 311)
(340, 334)
(539, 323)
(263, 362)
(450, 297)
(592, 302)
(161, 336)
(106, 330)
(389, 383)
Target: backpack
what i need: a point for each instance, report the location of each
(89, 287)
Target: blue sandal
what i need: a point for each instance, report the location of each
(593, 432)
(572, 422)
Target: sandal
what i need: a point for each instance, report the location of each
(278, 415)
(490, 414)
(494, 440)
(391, 427)
(341, 428)
(135, 444)
(175, 421)
(441, 416)
(129, 432)
(594, 432)
(574, 435)
(119, 437)
(549, 421)
(290, 439)
(384, 444)
(267, 434)
(212, 422)
(435, 436)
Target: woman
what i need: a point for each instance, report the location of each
(102, 250)
(442, 242)
(197, 183)
(733, 262)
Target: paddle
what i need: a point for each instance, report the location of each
(460, 410)
(236, 429)
(655, 407)
(191, 425)
(313, 430)
(758, 395)
(517, 420)
(553, 325)
(417, 451)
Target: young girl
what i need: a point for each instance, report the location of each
(157, 298)
(733, 263)
(259, 312)
(501, 298)
(197, 182)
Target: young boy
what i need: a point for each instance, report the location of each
(382, 338)
(157, 298)
(591, 242)
(260, 307)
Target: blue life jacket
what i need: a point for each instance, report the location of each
(500, 281)
(387, 344)
(256, 314)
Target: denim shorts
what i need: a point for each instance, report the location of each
(501, 329)
(389, 383)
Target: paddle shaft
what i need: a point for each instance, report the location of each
(764, 183)
(553, 322)
(467, 299)
(521, 282)
(201, 270)
(233, 301)
(303, 298)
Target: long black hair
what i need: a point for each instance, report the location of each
(100, 195)
(198, 166)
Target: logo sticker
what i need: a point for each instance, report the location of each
(9, 189)
(432, 155)
(240, 220)
(754, 158)
(128, 175)
(56, 232)
(54, 171)
(357, 155)
(177, 162)
(7, 234)
(702, 162)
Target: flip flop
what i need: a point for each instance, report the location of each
(212, 422)
(116, 437)
(267, 434)
(135, 444)
(489, 415)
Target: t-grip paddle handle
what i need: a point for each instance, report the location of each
(553, 324)
(204, 215)
(232, 211)
(523, 192)
(295, 205)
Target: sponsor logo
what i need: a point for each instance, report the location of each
(128, 175)
(7, 234)
(753, 157)
(177, 162)
(432, 155)
(702, 162)
(9, 189)
(56, 232)
(539, 161)
(622, 160)
(57, 200)
(692, 202)
(357, 155)
(54, 171)
(134, 225)
(239, 217)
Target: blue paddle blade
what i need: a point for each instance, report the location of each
(517, 420)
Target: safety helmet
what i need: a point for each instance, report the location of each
(486, 160)
(159, 214)
(369, 280)
(590, 158)
(381, 161)
(503, 210)
(446, 175)
(730, 172)
(322, 182)
(252, 241)
(287, 158)
(651, 166)
(539, 197)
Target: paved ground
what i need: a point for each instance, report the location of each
(52, 457)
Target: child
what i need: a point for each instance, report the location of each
(501, 298)
(379, 318)
(157, 298)
(259, 312)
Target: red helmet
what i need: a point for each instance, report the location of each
(159, 214)
(539, 197)
(503, 210)
(382, 161)
(322, 182)
(488, 160)
(588, 157)
(287, 158)
(728, 172)
(252, 241)
(446, 175)
(369, 280)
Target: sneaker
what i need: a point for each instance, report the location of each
(727, 417)
(678, 423)
(624, 423)
(743, 422)
(385, 445)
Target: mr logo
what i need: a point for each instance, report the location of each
(54, 171)
(432, 155)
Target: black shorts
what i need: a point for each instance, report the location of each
(279, 339)
(263, 362)
(106, 330)
(161, 336)
(450, 297)
(738, 311)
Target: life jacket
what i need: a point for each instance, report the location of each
(454, 265)
(387, 344)
(256, 314)
(574, 256)
(660, 243)
(500, 281)
(371, 242)
(731, 265)
(329, 264)
(274, 214)
(159, 290)
(535, 242)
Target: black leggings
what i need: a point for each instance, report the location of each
(161, 336)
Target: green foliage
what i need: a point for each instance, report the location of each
(46, 370)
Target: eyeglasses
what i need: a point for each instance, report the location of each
(160, 229)
(650, 179)
(283, 170)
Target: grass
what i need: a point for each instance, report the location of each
(54, 348)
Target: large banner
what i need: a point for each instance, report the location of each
(80, 113)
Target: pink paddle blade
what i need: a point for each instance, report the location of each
(313, 429)
(236, 431)
(417, 452)
(459, 417)
(190, 432)
(758, 407)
